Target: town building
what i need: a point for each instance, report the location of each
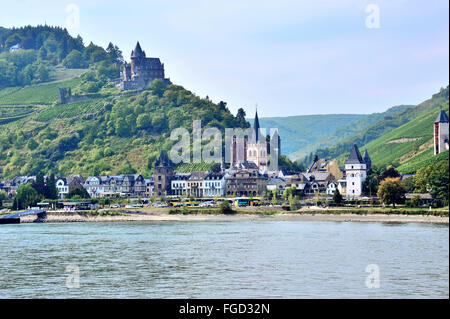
(149, 187)
(355, 169)
(214, 184)
(195, 184)
(276, 183)
(441, 128)
(178, 184)
(242, 182)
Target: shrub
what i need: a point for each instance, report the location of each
(225, 208)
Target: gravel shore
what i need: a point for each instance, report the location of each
(55, 217)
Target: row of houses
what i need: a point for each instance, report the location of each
(244, 179)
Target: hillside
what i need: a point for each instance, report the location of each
(409, 146)
(106, 134)
(102, 130)
(305, 134)
(386, 125)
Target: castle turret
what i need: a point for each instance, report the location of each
(441, 133)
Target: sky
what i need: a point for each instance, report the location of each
(283, 57)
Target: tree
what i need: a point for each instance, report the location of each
(26, 196)
(157, 87)
(337, 197)
(438, 183)
(3, 196)
(391, 172)
(274, 196)
(127, 169)
(121, 127)
(32, 144)
(43, 73)
(225, 208)
(51, 191)
(143, 121)
(39, 184)
(74, 60)
(78, 193)
(240, 117)
(391, 191)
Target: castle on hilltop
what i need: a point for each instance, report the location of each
(141, 71)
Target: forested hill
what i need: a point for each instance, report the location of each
(42, 49)
(385, 125)
(104, 131)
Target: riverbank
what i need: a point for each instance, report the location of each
(208, 215)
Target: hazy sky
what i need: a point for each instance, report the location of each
(289, 57)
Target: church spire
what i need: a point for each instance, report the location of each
(256, 125)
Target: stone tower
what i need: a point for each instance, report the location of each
(163, 174)
(355, 169)
(441, 133)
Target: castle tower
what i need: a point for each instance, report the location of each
(441, 133)
(355, 169)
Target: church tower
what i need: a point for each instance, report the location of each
(355, 169)
(441, 133)
(257, 147)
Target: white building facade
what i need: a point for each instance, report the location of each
(355, 169)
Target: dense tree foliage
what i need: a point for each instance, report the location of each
(25, 197)
(391, 191)
(435, 180)
(42, 48)
(78, 193)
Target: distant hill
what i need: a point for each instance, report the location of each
(304, 134)
(385, 125)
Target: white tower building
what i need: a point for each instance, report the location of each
(441, 133)
(355, 169)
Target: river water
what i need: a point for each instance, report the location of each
(238, 259)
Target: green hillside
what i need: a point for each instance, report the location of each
(102, 130)
(388, 130)
(409, 146)
(105, 134)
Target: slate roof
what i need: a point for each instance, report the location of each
(442, 117)
(355, 156)
(137, 52)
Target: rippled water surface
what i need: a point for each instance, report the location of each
(241, 259)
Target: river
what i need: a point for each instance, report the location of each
(238, 259)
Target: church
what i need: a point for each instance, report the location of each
(255, 149)
(141, 71)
